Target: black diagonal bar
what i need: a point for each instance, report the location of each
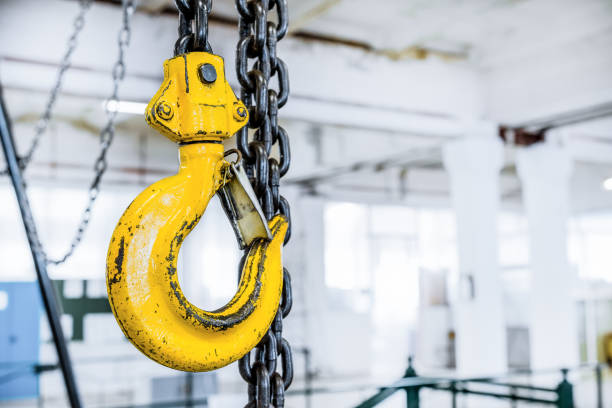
(45, 284)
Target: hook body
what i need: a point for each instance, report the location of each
(142, 281)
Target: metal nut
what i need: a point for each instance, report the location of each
(240, 113)
(164, 111)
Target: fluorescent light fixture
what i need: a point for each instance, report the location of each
(134, 108)
(607, 184)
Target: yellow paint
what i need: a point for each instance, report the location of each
(142, 281)
(187, 109)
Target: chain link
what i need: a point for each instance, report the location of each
(65, 63)
(193, 26)
(257, 64)
(106, 136)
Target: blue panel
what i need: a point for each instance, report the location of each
(19, 339)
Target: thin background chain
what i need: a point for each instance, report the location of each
(270, 372)
(107, 133)
(65, 63)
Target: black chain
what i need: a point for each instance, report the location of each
(258, 38)
(65, 63)
(193, 26)
(107, 134)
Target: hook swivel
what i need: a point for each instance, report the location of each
(196, 108)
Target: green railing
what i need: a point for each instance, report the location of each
(561, 396)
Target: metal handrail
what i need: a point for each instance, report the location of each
(563, 392)
(411, 383)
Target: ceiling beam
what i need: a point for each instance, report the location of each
(309, 10)
(330, 84)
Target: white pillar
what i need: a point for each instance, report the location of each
(545, 171)
(311, 212)
(473, 164)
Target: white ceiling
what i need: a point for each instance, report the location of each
(488, 31)
(484, 28)
(528, 50)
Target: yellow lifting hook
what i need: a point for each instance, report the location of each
(195, 107)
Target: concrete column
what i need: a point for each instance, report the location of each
(311, 213)
(334, 331)
(545, 171)
(473, 164)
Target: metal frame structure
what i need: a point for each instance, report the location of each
(561, 396)
(47, 290)
(534, 131)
